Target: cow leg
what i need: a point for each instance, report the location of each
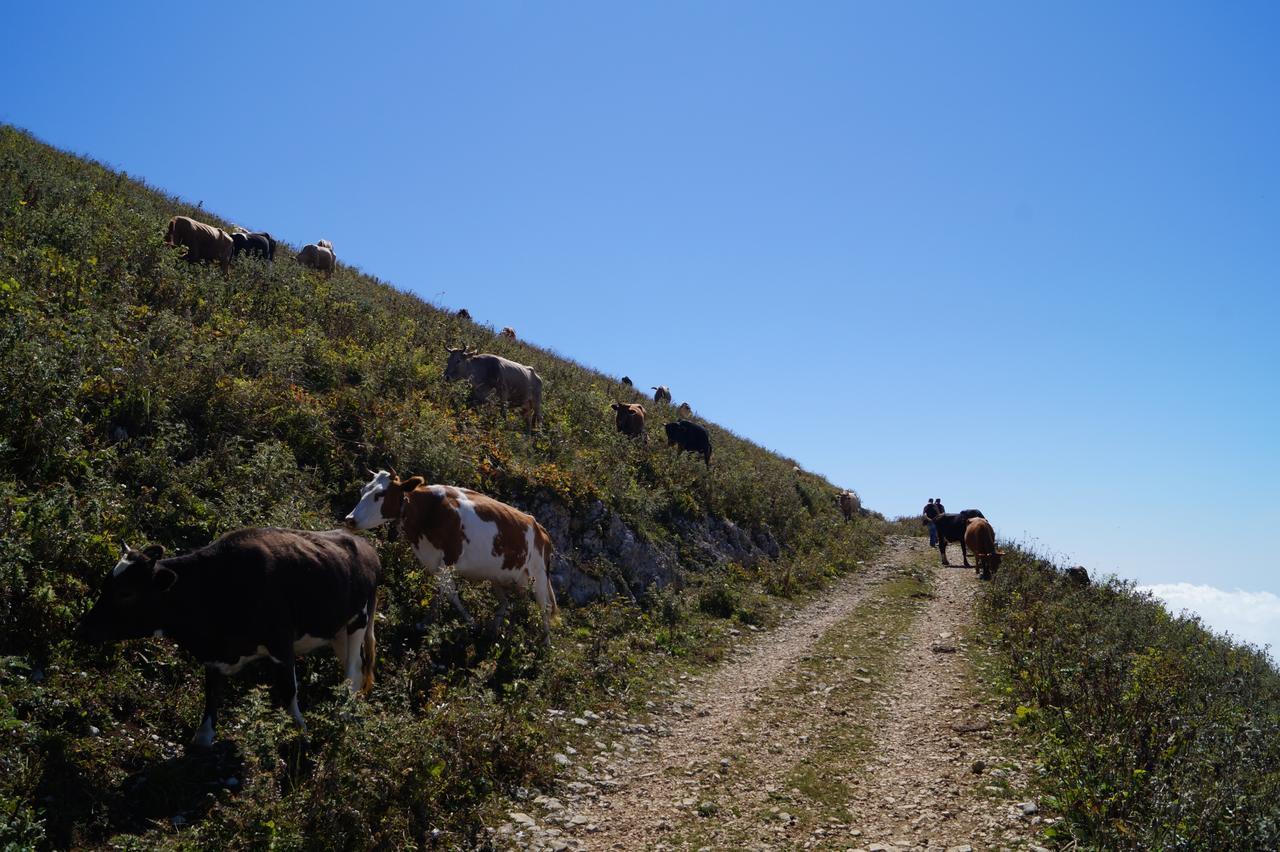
(964, 553)
(213, 683)
(504, 604)
(288, 685)
(942, 548)
(446, 585)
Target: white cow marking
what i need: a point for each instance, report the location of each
(232, 668)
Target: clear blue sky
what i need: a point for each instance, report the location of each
(1024, 258)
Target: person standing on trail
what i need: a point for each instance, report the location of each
(932, 510)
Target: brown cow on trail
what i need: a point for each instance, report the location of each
(630, 419)
(980, 540)
(509, 333)
(460, 531)
(515, 384)
(319, 256)
(849, 504)
(203, 242)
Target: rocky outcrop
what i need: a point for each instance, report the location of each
(599, 556)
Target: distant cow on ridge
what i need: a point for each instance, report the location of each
(203, 242)
(319, 256)
(849, 504)
(662, 393)
(509, 333)
(689, 437)
(252, 594)
(629, 419)
(515, 384)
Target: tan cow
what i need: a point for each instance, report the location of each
(460, 531)
(629, 419)
(319, 256)
(980, 540)
(202, 242)
(849, 504)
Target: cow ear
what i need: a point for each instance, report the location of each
(412, 483)
(163, 579)
(153, 552)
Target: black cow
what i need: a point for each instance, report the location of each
(259, 244)
(690, 437)
(254, 593)
(951, 527)
(1078, 575)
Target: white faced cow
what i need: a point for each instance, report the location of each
(457, 530)
(252, 594)
(515, 384)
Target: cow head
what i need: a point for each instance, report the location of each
(380, 500)
(457, 358)
(130, 605)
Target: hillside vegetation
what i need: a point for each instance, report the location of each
(150, 400)
(1153, 732)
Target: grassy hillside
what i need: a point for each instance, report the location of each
(146, 399)
(1153, 732)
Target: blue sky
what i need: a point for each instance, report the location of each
(1024, 258)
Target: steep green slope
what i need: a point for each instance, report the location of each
(147, 399)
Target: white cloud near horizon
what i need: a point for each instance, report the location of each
(1249, 616)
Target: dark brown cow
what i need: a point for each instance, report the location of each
(460, 531)
(318, 256)
(980, 540)
(629, 419)
(252, 594)
(202, 242)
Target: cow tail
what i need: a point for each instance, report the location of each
(369, 648)
(548, 550)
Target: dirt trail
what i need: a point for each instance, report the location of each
(834, 730)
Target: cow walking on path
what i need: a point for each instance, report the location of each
(515, 384)
(951, 528)
(460, 531)
(252, 594)
(980, 539)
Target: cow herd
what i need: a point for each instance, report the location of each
(203, 243)
(274, 594)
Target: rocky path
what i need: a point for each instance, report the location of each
(853, 725)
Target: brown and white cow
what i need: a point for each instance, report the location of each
(460, 531)
(516, 385)
(849, 504)
(202, 242)
(508, 332)
(629, 419)
(980, 540)
(256, 593)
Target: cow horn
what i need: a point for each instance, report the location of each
(394, 475)
(370, 471)
(124, 545)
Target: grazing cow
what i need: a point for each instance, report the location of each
(509, 333)
(203, 242)
(685, 409)
(626, 380)
(980, 540)
(951, 528)
(690, 437)
(1078, 575)
(260, 244)
(316, 256)
(463, 313)
(662, 393)
(629, 419)
(456, 530)
(849, 504)
(253, 593)
(516, 384)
